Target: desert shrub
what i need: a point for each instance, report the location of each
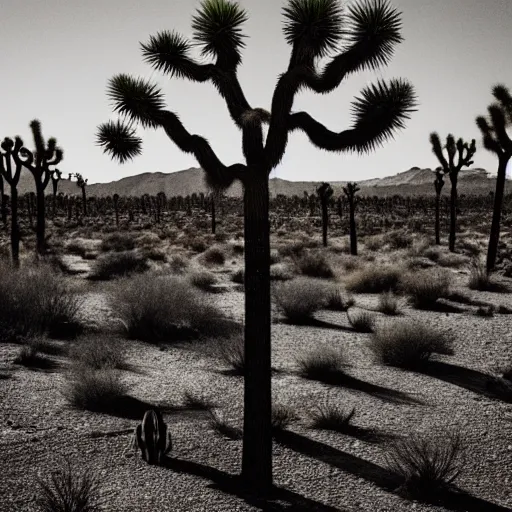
(148, 240)
(481, 280)
(324, 364)
(398, 239)
(119, 242)
(214, 256)
(280, 272)
(338, 301)
(453, 260)
(282, 417)
(99, 352)
(300, 298)
(425, 288)
(222, 427)
(196, 244)
(314, 265)
(77, 246)
(374, 279)
(362, 321)
(231, 351)
(166, 309)
(69, 489)
(239, 276)
(425, 465)
(178, 264)
(30, 357)
(374, 243)
(92, 389)
(388, 304)
(408, 344)
(154, 254)
(331, 417)
(203, 280)
(117, 264)
(36, 300)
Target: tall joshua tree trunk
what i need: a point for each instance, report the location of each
(449, 166)
(40, 220)
(313, 28)
(324, 192)
(214, 220)
(438, 184)
(494, 237)
(257, 443)
(497, 140)
(350, 191)
(15, 228)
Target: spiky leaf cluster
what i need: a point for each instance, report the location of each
(217, 27)
(119, 140)
(313, 27)
(374, 31)
(136, 98)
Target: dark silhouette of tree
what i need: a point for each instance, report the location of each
(497, 140)
(325, 193)
(4, 199)
(464, 153)
(56, 176)
(314, 29)
(115, 200)
(40, 163)
(438, 185)
(81, 183)
(350, 191)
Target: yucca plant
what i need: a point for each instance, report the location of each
(464, 153)
(325, 193)
(497, 140)
(350, 191)
(361, 38)
(438, 185)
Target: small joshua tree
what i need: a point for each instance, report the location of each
(40, 163)
(82, 183)
(350, 191)
(325, 193)
(362, 38)
(497, 140)
(464, 153)
(438, 185)
(56, 176)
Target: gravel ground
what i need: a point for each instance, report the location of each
(317, 470)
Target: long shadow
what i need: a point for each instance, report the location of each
(344, 380)
(472, 380)
(320, 324)
(231, 484)
(366, 434)
(453, 499)
(442, 306)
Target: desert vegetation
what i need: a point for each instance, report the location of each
(357, 334)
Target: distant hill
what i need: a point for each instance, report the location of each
(415, 181)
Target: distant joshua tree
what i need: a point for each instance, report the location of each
(56, 176)
(464, 153)
(325, 193)
(350, 191)
(497, 140)
(81, 183)
(438, 184)
(41, 163)
(363, 37)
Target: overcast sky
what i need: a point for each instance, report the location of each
(57, 56)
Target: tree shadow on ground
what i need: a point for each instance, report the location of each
(452, 499)
(279, 500)
(369, 435)
(319, 324)
(341, 379)
(472, 380)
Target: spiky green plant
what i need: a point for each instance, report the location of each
(464, 153)
(325, 193)
(497, 140)
(350, 191)
(363, 37)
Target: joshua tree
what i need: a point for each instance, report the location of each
(438, 184)
(39, 163)
(497, 140)
(81, 183)
(3, 197)
(115, 199)
(350, 191)
(56, 176)
(464, 153)
(325, 193)
(368, 33)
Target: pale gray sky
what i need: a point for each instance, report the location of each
(57, 56)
